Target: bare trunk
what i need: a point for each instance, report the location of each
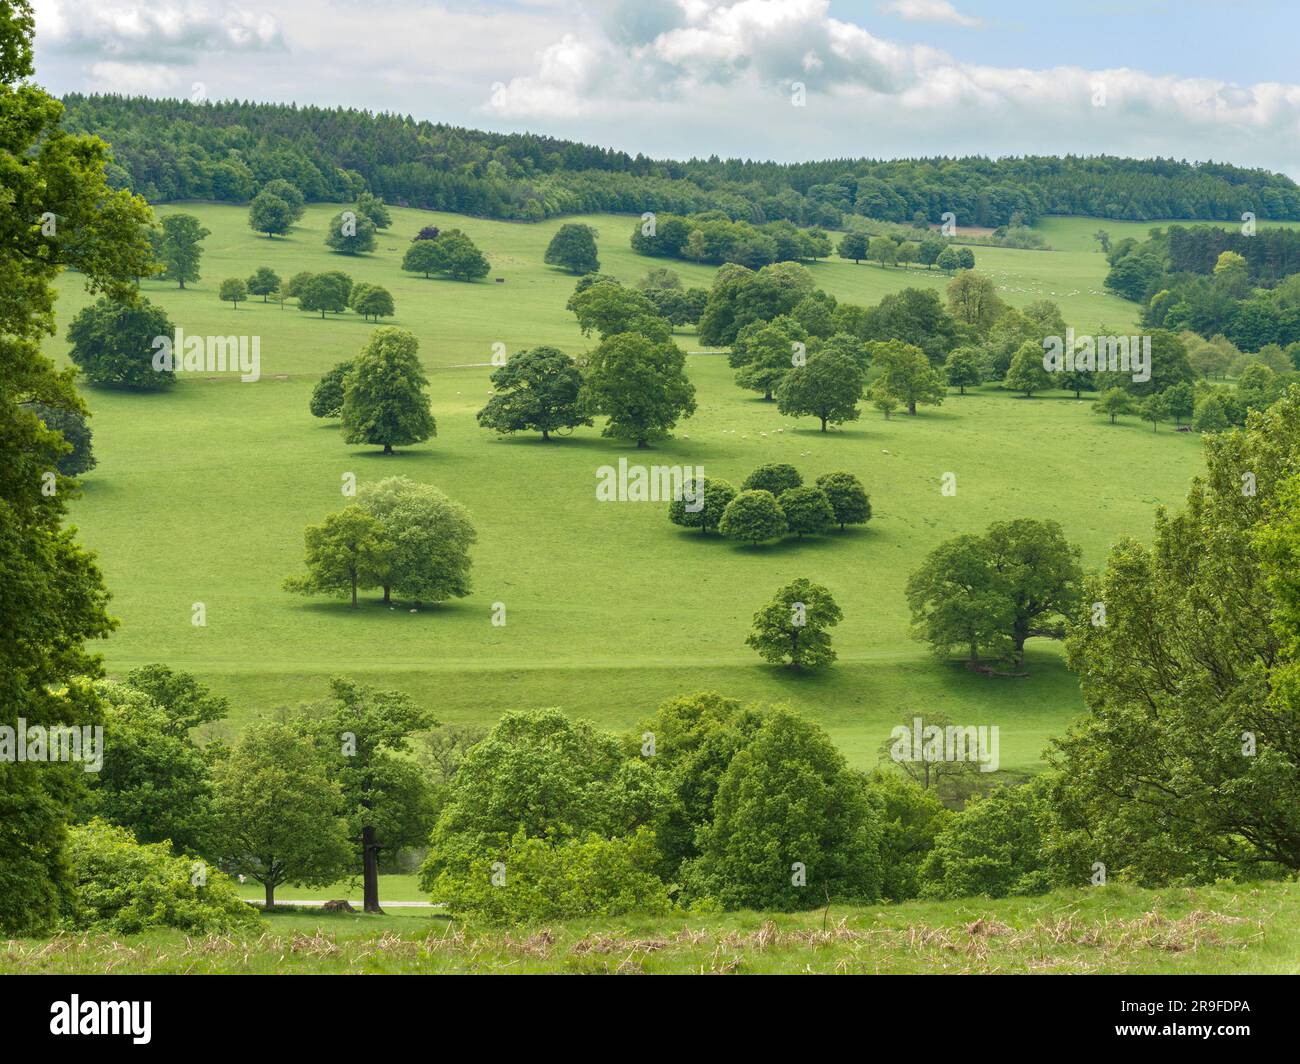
(370, 870)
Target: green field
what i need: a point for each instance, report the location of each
(202, 494)
(1113, 929)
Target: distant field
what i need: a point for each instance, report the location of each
(201, 495)
(1121, 930)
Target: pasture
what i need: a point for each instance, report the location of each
(202, 495)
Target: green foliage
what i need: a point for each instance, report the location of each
(346, 553)
(233, 291)
(807, 510)
(384, 398)
(848, 498)
(270, 214)
(608, 308)
(538, 775)
(753, 517)
(326, 292)
(640, 386)
(532, 879)
(792, 827)
(961, 370)
(263, 282)
(277, 810)
(792, 630)
(372, 301)
(1113, 403)
(373, 208)
(428, 537)
(1026, 373)
(910, 818)
(573, 248)
(179, 249)
(765, 352)
(536, 390)
(774, 477)
(708, 500)
(123, 888)
(154, 780)
(827, 387)
(993, 592)
(906, 375)
(994, 848)
(70, 423)
(1186, 764)
(351, 232)
(113, 344)
(327, 395)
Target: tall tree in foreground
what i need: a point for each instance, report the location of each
(277, 811)
(792, 827)
(536, 390)
(1187, 763)
(792, 629)
(640, 386)
(52, 597)
(113, 344)
(365, 734)
(384, 401)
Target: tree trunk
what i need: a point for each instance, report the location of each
(387, 595)
(388, 448)
(270, 896)
(354, 590)
(370, 870)
(642, 444)
(911, 408)
(823, 424)
(545, 435)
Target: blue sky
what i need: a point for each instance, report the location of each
(779, 79)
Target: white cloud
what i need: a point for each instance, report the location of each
(153, 32)
(136, 79)
(929, 11)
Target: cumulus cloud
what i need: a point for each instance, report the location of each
(153, 33)
(756, 50)
(929, 11)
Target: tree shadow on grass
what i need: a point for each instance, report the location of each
(369, 606)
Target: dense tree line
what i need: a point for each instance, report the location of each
(172, 149)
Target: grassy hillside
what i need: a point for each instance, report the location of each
(1211, 930)
(201, 495)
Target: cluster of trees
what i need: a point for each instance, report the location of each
(635, 377)
(985, 595)
(894, 250)
(327, 790)
(449, 252)
(333, 292)
(713, 237)
(772, 502)
(404, 537)
(380, 395)
(1249, 292)
(707, 804)
(352, 231)
(174, 149)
